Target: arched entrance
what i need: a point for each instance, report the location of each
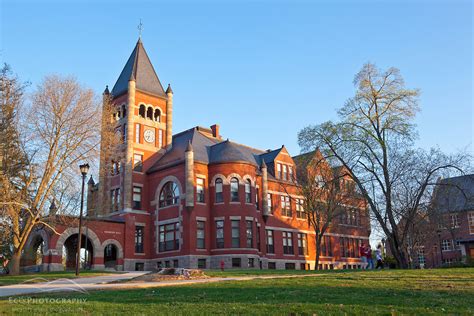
(35, 249)
(110, 256)
(69, 252)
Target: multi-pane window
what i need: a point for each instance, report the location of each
(288, 243)
(421, 257)
(470, 217)
(200, 234)
(200, 190)
(248, 191)
(344, 246)
(454, 221)
(290, 169)
(278, 171)
(285, 172)
(234, 190)
(302, 244)
(139, 237)
(115, 199)
(137, 133)
(319, 181)
(235, 233)
(285, 206)
(270, 244)
(270, 203)
(137, 162)
(169, 195)
(457, 244)
(219, 196)
(219, 234)
(446, 245)
(137, 198)
(169, 237)
(249, 233)
(326, 247)
(299, 209)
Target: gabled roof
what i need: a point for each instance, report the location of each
(454, 194)
(139, 68)
(210, 150)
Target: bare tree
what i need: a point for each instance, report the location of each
(326, 193)
(60, 129)
(374, 141)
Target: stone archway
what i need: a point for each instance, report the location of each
(35, 250)
(113, 254)
(93, 247)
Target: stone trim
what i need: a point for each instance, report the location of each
(200, 218)
(235, 217)
(219, 218)
(167, 221)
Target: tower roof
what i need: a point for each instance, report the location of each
(140, 69)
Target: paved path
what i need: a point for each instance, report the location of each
(82, 285)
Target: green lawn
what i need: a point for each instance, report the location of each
(39, 277)
(443, 291)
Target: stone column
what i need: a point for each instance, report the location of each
(102, 205)
(266, 207)
(189, 175)
(169, 118)
(128, 178)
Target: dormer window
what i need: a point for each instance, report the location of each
(290, 169)
(285, 172)
(278, 171)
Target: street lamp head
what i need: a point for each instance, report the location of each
(84, 169)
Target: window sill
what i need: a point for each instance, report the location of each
(235, 203)
(139, 254)
(200, 203)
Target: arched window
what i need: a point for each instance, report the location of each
(248, 197)
(157, 115)
(124, 111)
(141, 111)
(169, 195)
(149, 113)
(219, 197)
(234, 190)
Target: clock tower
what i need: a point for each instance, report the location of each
(143, 118)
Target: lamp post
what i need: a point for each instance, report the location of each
(84, 170)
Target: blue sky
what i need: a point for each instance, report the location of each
(262, 70)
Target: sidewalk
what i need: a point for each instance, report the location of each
(82, 285)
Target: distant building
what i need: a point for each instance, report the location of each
(195, 199)
(451, 224)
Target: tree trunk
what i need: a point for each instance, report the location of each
(398, 253)
(14, 264)
(318, 252)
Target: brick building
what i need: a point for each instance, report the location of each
(450, 225)
(194, 199)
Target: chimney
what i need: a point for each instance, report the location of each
(215, 131)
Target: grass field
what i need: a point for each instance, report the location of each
(443, 291)
(30, 277)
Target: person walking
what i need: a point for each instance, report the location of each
(370, 261)
(378, 256)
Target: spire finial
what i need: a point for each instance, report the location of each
(140, 29)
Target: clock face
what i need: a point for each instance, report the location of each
(149, 136)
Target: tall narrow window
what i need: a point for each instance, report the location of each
(169, 237)
(160, 138)
(141, 111)
(137, 133)
(270, 203)
(137, 162)
(288, 243)
(285, 172)
(291, 178)
(299, 209)
(137, 198)
(234, 190)
(156, 115)
(139, 232)
(248, 196)
(270, 245)
(235, 234)
(218, 186)
(149, 113)
(219, 234)
(200, 190)
(285, 206)
(249, 233)
(278, 171)
(118, 199)
(112, 201)
(257, 192)
(302, 244)
(200, 235)
(124, 133)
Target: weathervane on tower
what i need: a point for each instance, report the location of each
(140, 29)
